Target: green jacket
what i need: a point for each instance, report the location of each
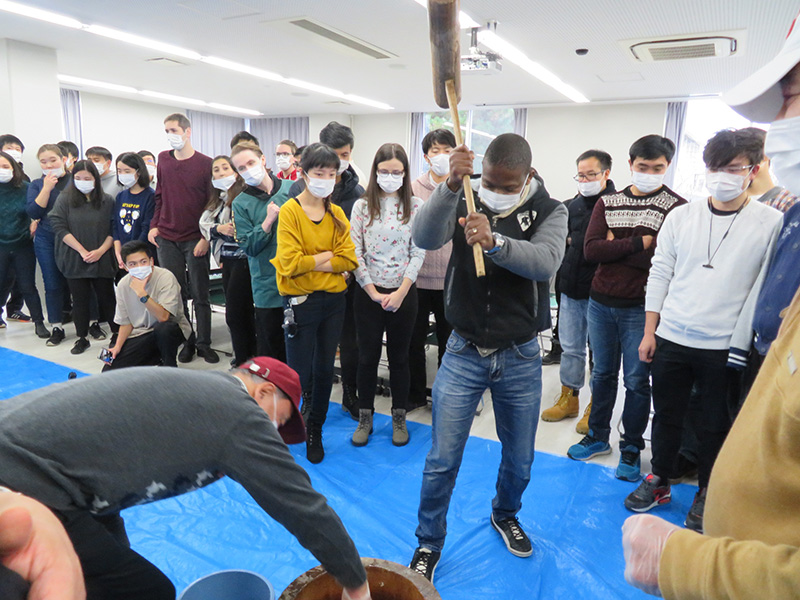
(249, 211)
(14, 221)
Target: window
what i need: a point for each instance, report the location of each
(479, 127)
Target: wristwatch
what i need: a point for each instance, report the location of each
(144, 299)
(499, 242)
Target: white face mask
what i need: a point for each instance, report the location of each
(141, 272)
(127, 180)
(255, 175)
(15, 154)
(224, 183)
(440, 164)
(783, 148)
(320, 188)
(54, 172)
(84, 187)
(498, 203)
(645, 182)
(101, 168)
(6, 175)
(588, 189)
(724, 186)
(343, 166)
(151, 169)
(390, 183)
(274, 418)
(176, 141)
(283, 162)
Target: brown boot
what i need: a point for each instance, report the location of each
(566, 405)
(583, 425)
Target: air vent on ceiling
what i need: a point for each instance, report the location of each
(341, 38)
(680, 49)
(164, 61)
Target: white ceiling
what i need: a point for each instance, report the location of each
(256, 33)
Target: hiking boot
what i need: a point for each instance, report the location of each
(80, 346)
(567, 405)
(554, 356)
(41, 330)
(97, 332)
(694, 520)
(399, 430)
(187, 353)
(683, 469)
(629, 468)
(56, 337)
(20, 316)
(207, 354)
(350, 401)
(314, 450)
(588, 447)
(424, 562)
(582, 426)
(364, 429)
(650, 493)
(514, 537)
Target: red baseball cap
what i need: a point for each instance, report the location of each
(285, 378)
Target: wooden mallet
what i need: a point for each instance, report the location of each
(446, 61)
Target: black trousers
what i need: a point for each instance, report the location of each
(157, 347)
(270, 340)
(111, 570)
(81, 290)
(21, 265)
(675, 370)
(429, 301)
(371, 322)
(348, 341)
(239, 311)
(178, 257)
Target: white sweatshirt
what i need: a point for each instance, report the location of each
(711, 308)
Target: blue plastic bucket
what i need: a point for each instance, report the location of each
(230, 585)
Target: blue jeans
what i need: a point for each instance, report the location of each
(573, 333)
(514, 377)
(55, 285)
(616, 334)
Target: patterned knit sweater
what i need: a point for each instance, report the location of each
(431, 275)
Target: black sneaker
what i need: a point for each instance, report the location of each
(2, 323)
(97, 332)
(513, 535)
(80, 346)
(554, 356)
(56, 337)
(650, 493)
(41, 330)
(424, 562)
(694, 520)
(314, 450)
(187, 353)
(113, 341)
(207, 354)
(350, 401)
(20, 316)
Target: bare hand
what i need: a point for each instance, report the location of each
(152, 235)
(33, 226)
(226, 229)
(647, 348)
(201, 248)
(477, 230)
(392, 302)
(120, 263)
(460, 164)
(647, 241)
(643, 541)
(49, 182)
(115, 350)
(610, 236)
(359, 593)
(92, 256)
(272, 215)
(137, 285)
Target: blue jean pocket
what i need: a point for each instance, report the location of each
(529, 350)
(456, 344)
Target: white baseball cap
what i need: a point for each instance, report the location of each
(759, 97)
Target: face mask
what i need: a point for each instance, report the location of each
(724, 186)
(141, 272)
(283, 162)
(84, 187)
(151, 169)
(127, 180)
(440, 164)
(68, 163)
(320, 188)
(223, 183)
(255, 175)
(6, 175)
(498, 202)
(390, 183)
(54, 172)
(588, 189)
(176, 141)
(783, 148)
(343, 166)
(15, 154)
(645, 182)
(101, 168)
(274, 418)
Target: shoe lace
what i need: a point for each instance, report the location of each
(399, 421)
(588, 441)
(515, 529)
(421, 563)
(314, 437)
(629, 458)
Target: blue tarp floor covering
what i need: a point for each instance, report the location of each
(573, 512)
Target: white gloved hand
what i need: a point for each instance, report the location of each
(643, 541)
(360, 593)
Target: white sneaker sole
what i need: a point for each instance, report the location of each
(508, 544)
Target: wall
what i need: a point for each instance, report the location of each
(372, 131)
(559, 135)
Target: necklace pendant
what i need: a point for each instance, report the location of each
(708, 266)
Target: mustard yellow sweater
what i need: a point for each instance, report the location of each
(299, 239)
(752, 518)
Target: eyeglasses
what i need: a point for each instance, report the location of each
(395, 173)
(587, 176)
(732, 170)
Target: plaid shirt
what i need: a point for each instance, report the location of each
(783, 200)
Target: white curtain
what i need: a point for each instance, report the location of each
(415, 157)
(71, 117)
(211, 134)
(673, 129)
(272, 130)
(521, 121)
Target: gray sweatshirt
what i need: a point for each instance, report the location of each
(134, 436)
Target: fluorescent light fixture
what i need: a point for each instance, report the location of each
(70, 80)
(122, 36)
(239, 67)
(313, 87)
(236, 109)
(39, 14)
(368, 102)
(512, 54)
(464, 20)
(173, 98)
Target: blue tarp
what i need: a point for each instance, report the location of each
(573, 512)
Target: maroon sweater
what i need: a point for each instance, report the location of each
(624, 264)
(182, 191)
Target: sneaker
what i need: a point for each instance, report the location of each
(554, 356)
(113, 341)
(683, 469)
(588, 447)
(208, 354)
(20, 316)
(2, 323)
(41, 330)
(567, 405)
(187, 353)
(399, 430)
(630, 463)
(513, 535)
(650, 493)
(314, 450)
(56, 337)
(97, 332)
(364, 429)
(582, 426)
(694, 520)
(80, 346)
(424, 562)
(350, 402)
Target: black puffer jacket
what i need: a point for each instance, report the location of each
(575, 275)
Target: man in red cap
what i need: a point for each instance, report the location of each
(89, 448)
(751, 546)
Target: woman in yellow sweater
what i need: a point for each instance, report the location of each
(315, 255)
